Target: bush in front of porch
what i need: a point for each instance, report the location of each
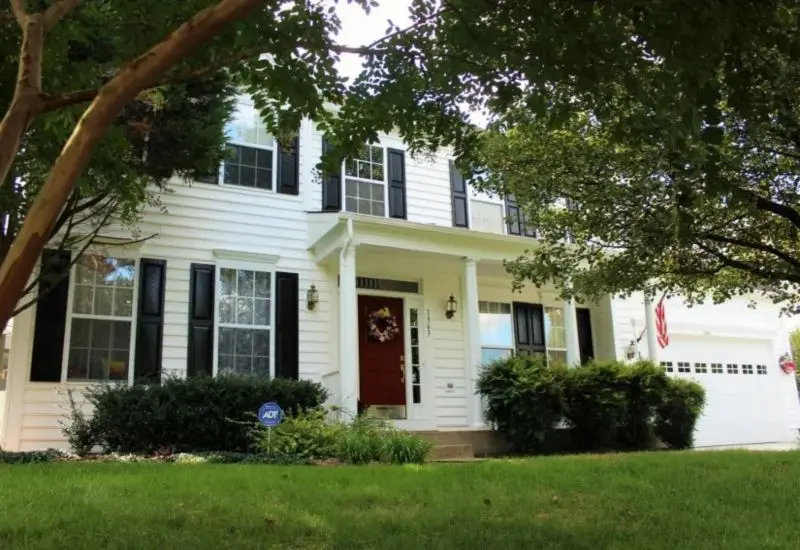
(185, 415)
(605, 405)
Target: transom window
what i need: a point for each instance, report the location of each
(555, 335)
(761, 369)
(245, 322)
(667, 366)
(733, 368)
(684, 366)
(747, 369)
(716, 368)
(101, 318)
(365, 182)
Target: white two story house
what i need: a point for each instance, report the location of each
(384, 282)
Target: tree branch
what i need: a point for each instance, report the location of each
(769, 206)
(749, 268)
(18, 9)
(754, 246)
(51, 103)
(56, 12)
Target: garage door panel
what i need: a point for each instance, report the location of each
(741, 408)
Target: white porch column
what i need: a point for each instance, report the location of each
(473, 347)
(571, 333)
(650, 328)
(348, 332)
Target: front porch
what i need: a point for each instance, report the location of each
(423, 378)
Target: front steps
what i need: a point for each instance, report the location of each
(463, 445)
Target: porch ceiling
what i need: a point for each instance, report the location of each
(329, 231)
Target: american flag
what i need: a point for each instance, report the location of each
(661, 324)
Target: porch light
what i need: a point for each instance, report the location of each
(452, 307)
(630, 351)
(312, 297)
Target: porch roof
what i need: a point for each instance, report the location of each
(329, 230)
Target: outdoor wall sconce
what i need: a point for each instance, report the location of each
(312, 297)
(630, 350)
(452, 307)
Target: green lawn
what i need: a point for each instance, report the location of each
(651, 501)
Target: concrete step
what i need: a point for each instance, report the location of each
(451, 452)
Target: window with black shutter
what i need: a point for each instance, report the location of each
(51, 317)
(331, 185)
(458, 191)
(150, 321)
(516, 221)
(585, 338)
(200, 357)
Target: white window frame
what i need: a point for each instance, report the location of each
(245, 265)
(480, 196)
(385, 152)
(547, 347)
(128, 255)
(230, 140)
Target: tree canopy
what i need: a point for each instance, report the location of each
(79, 64)
(663, 178)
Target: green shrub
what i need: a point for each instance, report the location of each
(79, 431)
(30, 457)
(677, 414)
(194, 414)
(596, 404)
(306, 435)
(401, 447)
(646, 384)
(524, 399)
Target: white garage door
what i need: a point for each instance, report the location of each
(745, 397)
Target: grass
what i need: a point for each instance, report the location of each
(727, 500)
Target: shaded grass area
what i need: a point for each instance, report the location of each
(725, 500)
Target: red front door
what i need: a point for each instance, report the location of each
(381, 364)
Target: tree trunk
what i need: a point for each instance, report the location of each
(90, 130)
(26, 100)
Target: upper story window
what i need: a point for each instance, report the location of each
(100, 318)
(487, 216)
(252, 151)
(365, 182)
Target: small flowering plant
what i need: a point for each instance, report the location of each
(382, 325)
(786, 363)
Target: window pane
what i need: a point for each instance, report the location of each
(82, 299)
(84, 274)
(225, 364)
(98, 364)
(248, 156)
(557, 357)
(120, 334)
(226, 309)
(351, 205)
(225, 344)
(261, 343)
(377, 172)
(230, 174)
(118, 366)
(350, 168)
(263, 178)
(101, 334)
(243, 342)
(262, 284)
(261, 366)
(78, 364)
(261, 312)
(243, 365)
(81, 333)
(247, 176)
(244, 283)
(364, 189)
(227, 282)
(123, 303)
(497, 330)
(492, 354)
(377, 192)
(351, 188)
(244, 311)
(103, 301)
(378, 209)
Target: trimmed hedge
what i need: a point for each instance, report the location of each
(608, 405)
(189, 415)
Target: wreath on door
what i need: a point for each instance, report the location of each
(786, 363)
(382, 325)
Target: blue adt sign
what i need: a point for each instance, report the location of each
(270, 414)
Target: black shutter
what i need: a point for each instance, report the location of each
(200, 360)
(529, 328)
(458, 188)
(331, 186)
(287, 325)
(150, 321)
(289, 169)
(397, 184)
(585, 334)
(51, 317)
(513, 220)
